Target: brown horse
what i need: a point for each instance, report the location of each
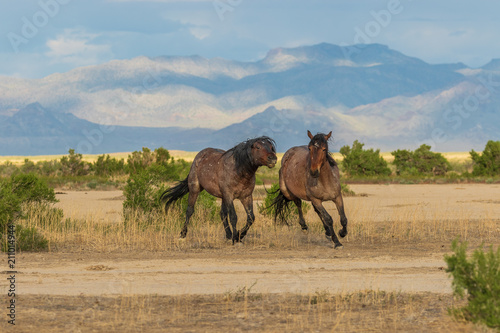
(310, 173)
(228, 175)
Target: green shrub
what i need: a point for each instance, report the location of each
(107, 166)
(16, 194)
(488, 163)
(8, 169)
(73, 165)
(145, 187)
(142, 160)
(49, 168)
(479, 275)
(360, 162)
(28, 167)
(29, 239)
(420, 162)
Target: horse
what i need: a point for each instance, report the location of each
(310, 173)
(229, 175)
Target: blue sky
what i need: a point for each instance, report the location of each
(41, 37)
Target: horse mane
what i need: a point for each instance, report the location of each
(320, 139)
(242, 154)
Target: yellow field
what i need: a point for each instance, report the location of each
(189, 156)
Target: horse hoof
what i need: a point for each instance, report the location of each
(338, 246)
(305, 231)
(181, 239)
(239, 244)
(343, 233)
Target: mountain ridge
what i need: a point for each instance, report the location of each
(376, 94)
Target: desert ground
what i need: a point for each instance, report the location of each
(390, 275)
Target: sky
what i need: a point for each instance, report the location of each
(42, 37)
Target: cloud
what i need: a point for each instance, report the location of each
(75, 46)
(200, 32)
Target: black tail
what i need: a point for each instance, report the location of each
(175, 193)
(281, 207)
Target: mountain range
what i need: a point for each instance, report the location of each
(377, 95)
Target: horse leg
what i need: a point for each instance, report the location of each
(224, 218)
(328, 233)
(302, 221)
(339, 202)
(248, 204)
(193, 196)
(327, 221)
(233, 218)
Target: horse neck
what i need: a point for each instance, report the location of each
(325, 174)
(248, 173)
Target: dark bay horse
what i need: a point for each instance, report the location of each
(310, 173)
(228, 175)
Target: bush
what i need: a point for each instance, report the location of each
(29, 239)
(106, 166)
(360, 162)
(148, 173)
(16, 194)
(488, 163)
(480, 277)
(73, 165)
(419, 162)
(172, 170)
(144, 188)
(142, 198)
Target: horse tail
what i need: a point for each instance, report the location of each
(175, 193)
(281, 207)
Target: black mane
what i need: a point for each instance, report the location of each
(319, 139)
(242, 154)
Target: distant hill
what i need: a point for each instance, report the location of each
(380, 96)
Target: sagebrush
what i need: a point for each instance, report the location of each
(478, 276)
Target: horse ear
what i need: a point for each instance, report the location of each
(328, 136)
(309, 135)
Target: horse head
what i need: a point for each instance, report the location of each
(318, 150)
(263, 152)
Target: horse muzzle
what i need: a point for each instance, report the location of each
(271, 162)
(315, 173)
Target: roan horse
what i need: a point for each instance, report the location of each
(228, 175)
(310, 173)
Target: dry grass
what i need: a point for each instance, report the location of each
(158, 232)
(238, 311)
